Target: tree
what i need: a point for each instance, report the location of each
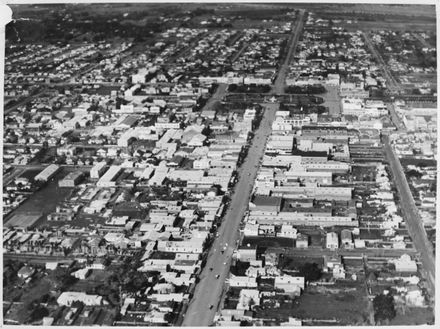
(310, 271)
(38, 313)
(384, 307)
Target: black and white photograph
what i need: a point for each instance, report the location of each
(219, 164)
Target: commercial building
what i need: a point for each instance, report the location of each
(332, 240)
(47, 173)
(108, 179)
(72, 179)
(98, 170)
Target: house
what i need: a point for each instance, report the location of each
(242, 281)
(330, 263)
(288, 231)
(266, 230)
(250, 229)
(415, 298)
(248, 298)
(302, 241)
(247, 253)
(51, 265)
(405, 264)
(26, 272)
(68, 297)
(271, 258)
(290, 284)
(338, 271)
(81, 274)
(347, 239)
(255, 271)
(267, 204)
(332, 240)
(155, 317)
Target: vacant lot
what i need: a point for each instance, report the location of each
(265, 242)
(349, 307)
(44, 200)
(414, 316)
(332, 100)
(294, 263)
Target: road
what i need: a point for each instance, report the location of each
(423, 42)
(364, 252)
(209, 290)
(20, 169)
(400, 126)
(217, 97)
(46, 89)
(412, 217)
(26, 100)
(279, 84)
(186, 49)
(243, 47)
(392, 83)
(8, 178)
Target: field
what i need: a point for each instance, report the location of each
(413, 316)
(346, 306)
(265, 242)
(332, 100)
(45, 200)
(294, 263)
(22, 296)
(389, 25)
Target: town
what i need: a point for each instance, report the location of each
(219, 164)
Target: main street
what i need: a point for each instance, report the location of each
(216, 97)
(400, 126)
(279, 84)
(412, 217)
(391, 81)
(208, 292)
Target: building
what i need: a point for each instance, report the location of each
(302, 241)
(108, 179)
(347, 239)
(23, 221)
(25, 272)
(332, 240)
(267, 204)
(68, 297)
(72, 179)
(47, 173)
(247, 254)
(242, 281)
(290, 284)
(352, 106)
(98, 170)
(405, 264)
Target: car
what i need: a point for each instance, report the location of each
(217, 276)
(211, 306)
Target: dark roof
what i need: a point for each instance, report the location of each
(177, 159)
(286, 208)
(310, 153)
(262, 200)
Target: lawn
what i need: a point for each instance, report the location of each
(25, 294)
(44, 200)
(268, 242)
(414, 316)
(346, 308)
(294, 263)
